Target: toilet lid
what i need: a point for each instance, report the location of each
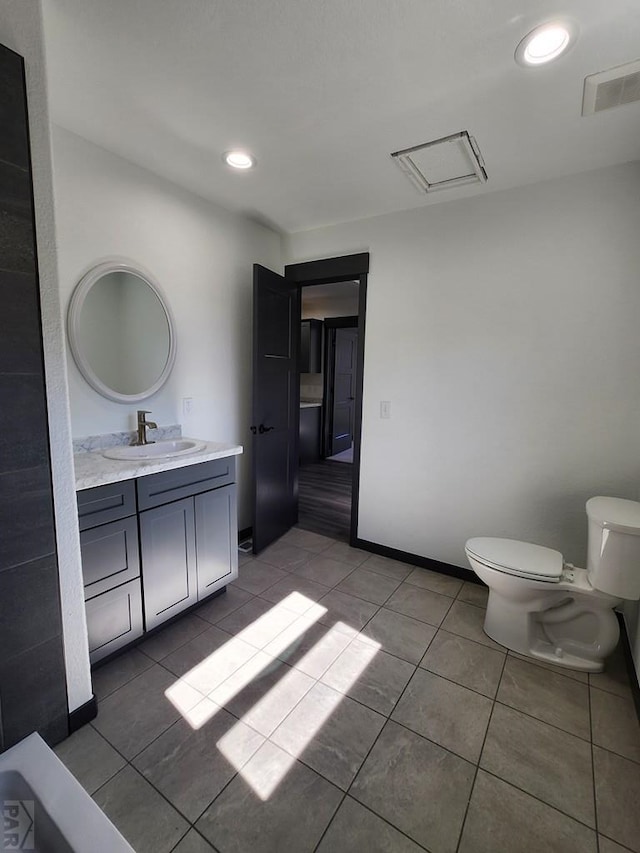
(517, 558)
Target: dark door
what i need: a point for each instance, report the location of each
(344, 389)
(276, 402)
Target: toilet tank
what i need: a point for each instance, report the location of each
(613, 557)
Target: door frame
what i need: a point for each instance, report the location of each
(330, 326)
(329, 271)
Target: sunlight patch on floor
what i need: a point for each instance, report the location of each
(238, 661)
(267, 769)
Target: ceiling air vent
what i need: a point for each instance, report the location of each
(611, 88)
(444, 163)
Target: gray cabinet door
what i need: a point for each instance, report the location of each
(114, 619)
(216, 539)
(168, 547)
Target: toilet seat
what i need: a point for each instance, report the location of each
(520, 559)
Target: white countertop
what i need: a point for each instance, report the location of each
(94, 469)
(309, 405)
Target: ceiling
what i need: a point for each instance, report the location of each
(322, 91)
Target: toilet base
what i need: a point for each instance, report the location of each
(546, 635)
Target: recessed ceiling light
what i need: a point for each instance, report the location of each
(546, 43)
(239, 159)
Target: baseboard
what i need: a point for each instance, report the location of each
(83, 715)
(628, 656)
(417, 560)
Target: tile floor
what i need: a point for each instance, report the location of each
(336, 701)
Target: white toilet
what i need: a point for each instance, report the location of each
(545, 608)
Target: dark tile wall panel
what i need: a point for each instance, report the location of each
(30, 605)
(33, 692)
(26, 517)
(17, 250)
(14, 141)
(23, 412)
(20, 338)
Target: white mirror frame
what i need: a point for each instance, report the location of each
(73, 328)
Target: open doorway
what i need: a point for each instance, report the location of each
(328, 382)
(277, 334)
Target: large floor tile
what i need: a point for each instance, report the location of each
(188, 766)
(390, 568)
(617, 796)
(146, 819)
(474, 593)
(502, 819)
(262, 692)
(369, 675)
(410, 600)
(435, 581)
(90, 758)
(346, 554)
(615, 724)
(108, 677)
(550, 764)
(309, 646)
(346, 612)
(284, 556)
(606, 845)
(314, 542)
(276, 804)
(550, 697)
(466, 662)
(399, 635)
(329, 732)
(355, 829)
(295, 593)
(255, 577)
(209, 659)
(417, 786)
(193, 842)
(369, 585)
(138, 712)
(615, 677)
(446, 713)
(325, 570)
(222, 605)
(466, 620)
(170, 638)
(258, 621)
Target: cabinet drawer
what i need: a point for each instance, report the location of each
(110, 555)
(114, 619)
(106, 503)
(167, 486)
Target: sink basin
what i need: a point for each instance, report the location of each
(158, 450)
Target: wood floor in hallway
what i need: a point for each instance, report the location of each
(325, 498)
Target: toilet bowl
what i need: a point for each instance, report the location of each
(547, 609)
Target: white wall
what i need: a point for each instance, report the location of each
(200, 255)
(21, 30)
(505, 332)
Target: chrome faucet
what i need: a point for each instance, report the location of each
(143, 425)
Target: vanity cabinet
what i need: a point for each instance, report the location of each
(168, 541)
(311, 346)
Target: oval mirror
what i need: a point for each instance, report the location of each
(121, 332)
